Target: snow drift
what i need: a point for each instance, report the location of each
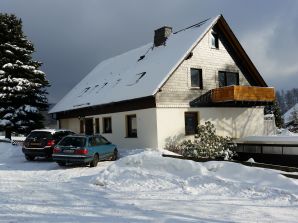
(149, 171)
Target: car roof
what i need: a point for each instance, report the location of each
(52, 131)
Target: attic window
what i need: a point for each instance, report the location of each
(214, 40)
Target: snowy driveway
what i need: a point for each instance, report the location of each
(143, 187)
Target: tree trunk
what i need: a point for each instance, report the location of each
(8, 133)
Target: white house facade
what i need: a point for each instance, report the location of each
(160, 92)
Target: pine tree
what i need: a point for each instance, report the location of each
(22, 84)
(275, 109)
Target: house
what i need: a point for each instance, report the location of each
(291, 118)
(161, 91)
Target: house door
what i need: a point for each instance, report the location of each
(88, 126)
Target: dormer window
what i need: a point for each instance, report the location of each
(214, 40)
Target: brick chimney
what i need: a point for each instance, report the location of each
(161, 35)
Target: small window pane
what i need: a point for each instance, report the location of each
(232, 78)
(131, 126)
(191, 123)
(82, 126)
(196, 78)
(97, 125)
(214, 40)
(221, 79)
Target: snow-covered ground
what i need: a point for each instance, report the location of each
(142, 186)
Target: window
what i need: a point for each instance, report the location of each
(131, 126)
(214, 40)
(196, 78)
(107, 125)
(191, 123)
(82, 126)
(97, 125)
(228, 78)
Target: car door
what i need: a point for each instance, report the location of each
(106, 146)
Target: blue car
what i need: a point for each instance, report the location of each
(84, 149)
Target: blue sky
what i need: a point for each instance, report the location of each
(72, 36)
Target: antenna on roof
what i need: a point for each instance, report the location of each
(195, 25)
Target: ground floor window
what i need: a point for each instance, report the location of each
(107, 125)
(82, 126)
(97, 125)
(131, 126)
(191, 123)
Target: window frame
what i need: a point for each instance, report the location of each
(200, 78)
(196, 122)
(129, 132)
(104, 130)
(226, 78)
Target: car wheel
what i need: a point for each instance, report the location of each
(94, 161)
(61, 163)
(29, 158)
(115, 154)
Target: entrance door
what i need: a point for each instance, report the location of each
(88, 126)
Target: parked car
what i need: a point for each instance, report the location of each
(40, 142)
(84, 149)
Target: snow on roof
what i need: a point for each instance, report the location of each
(127, 76)
(288, 116)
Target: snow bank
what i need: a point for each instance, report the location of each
(149, 171)
(9, 152)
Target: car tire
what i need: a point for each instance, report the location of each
(61, 163)
(29, 158)
(115, 154)
(94, 161)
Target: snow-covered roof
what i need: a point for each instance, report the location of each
(288, 116)
(126, 77)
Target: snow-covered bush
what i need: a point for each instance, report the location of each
(206, 144)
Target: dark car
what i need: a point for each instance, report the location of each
(40, 143)
(84, 149)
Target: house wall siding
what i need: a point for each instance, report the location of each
(146, 128)
(177, 90)
(233, 122)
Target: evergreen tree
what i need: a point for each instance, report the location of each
(22, 84)
(275, 110)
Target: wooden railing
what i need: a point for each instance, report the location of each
(243, 93)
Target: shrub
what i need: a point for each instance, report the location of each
(206, 144)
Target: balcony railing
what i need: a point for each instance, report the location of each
(236, 96)
(243, 93)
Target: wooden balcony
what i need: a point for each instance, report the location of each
(236, 96)
(243, 93)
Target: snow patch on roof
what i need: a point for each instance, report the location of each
(126, 77)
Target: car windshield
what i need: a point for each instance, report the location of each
(40, 135)
(73, 141)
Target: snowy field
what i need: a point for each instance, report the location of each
(142, 186)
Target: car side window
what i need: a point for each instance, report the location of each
(104, 141)
(92, 141)
(98, 141)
